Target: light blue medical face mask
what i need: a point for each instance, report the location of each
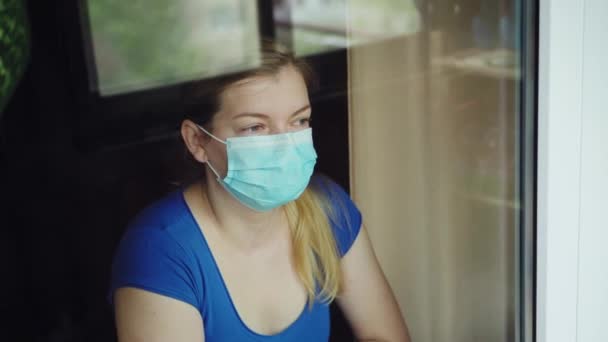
(267, 171)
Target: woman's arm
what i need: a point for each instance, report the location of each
(367, 299)
(150, 317)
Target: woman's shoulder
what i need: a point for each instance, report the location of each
(164, 213)
(167, 218)
(328, 188)
(344, 216)
(156, 252)
(166, 221)
(162, 229)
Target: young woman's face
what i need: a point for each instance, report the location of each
(263, 105)
(259, 106)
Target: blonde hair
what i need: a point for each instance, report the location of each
(315, 253)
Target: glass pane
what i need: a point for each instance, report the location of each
(316, 26)
(145, 44)
(436, 134)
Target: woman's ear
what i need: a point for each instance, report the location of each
(193, 139)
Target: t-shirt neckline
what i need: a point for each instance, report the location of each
(234, 310)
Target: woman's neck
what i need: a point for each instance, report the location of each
(239, 223)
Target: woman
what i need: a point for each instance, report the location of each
(258, 248)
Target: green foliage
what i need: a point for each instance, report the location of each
(14, 46)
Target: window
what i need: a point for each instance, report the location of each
(145, 44)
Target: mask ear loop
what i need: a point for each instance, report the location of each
(211, 135)
(208, 163)
(213, 170)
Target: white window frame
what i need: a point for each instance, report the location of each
(572, 233)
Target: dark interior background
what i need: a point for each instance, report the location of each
(67, 193)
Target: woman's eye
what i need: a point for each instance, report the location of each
(252, 129)
(303, 122)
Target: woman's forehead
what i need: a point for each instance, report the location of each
(266, 94)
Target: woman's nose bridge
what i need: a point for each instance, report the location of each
(279, 126)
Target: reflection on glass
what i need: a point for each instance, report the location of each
(436, 135)
(316, 26)
(144, 44)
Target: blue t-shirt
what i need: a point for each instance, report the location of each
(165, 252)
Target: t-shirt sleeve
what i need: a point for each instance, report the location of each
(344, 216)
(151, 260)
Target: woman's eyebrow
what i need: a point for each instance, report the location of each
(262, 115)
(300, 110)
